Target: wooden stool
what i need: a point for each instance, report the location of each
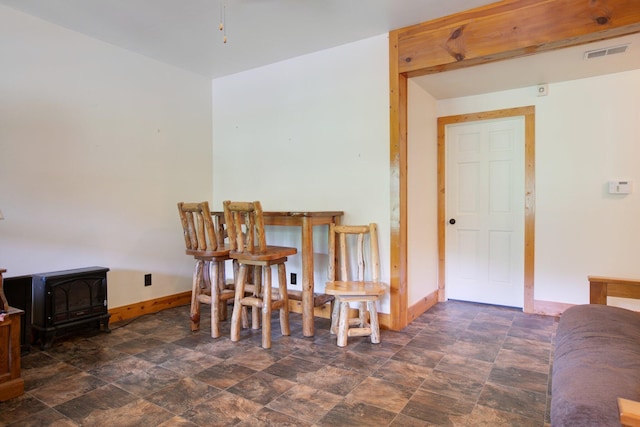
(356, 290)
(207, 247)
(249, 248)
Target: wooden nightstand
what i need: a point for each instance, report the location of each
(11, 384)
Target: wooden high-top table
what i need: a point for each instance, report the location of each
(305, 220)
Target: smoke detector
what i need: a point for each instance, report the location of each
(599, 53)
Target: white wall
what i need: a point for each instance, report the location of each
(422, 194)
(97, 144)
(587, 133)
(310, 133)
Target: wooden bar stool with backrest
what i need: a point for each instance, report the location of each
(207, 247)
(249, 248)
(354, 288)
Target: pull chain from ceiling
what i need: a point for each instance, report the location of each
(223, 20)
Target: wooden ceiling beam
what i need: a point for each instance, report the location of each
(509, 29)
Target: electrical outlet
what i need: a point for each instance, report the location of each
(147, 279)
(294, 278)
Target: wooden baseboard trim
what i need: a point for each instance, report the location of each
(422, 306)
(138, 309)
(549, 308)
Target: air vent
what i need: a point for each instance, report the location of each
(599, 53)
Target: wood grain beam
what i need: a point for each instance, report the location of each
(510, 29)
(398, 88)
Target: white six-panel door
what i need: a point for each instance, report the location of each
(484, 230)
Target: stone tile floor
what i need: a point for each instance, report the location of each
(459, 364)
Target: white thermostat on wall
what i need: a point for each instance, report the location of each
(619, 187)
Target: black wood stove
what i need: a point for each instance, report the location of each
(61, 302)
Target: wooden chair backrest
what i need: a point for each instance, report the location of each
(199, 231)
(251, 238)
(353, 256)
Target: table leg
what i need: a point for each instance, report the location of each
(307, 278)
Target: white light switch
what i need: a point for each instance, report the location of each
(619, 187)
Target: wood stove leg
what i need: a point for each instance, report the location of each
(105, 325)
(46, 339)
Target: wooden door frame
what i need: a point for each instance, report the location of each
(503, 30)
(529, 188)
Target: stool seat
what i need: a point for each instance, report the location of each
(219, 253)
(355, 288)
(269, 254)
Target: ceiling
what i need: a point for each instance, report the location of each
(185, 34)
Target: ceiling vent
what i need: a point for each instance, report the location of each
(599, 53)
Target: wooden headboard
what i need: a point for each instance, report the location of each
(603, 287)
